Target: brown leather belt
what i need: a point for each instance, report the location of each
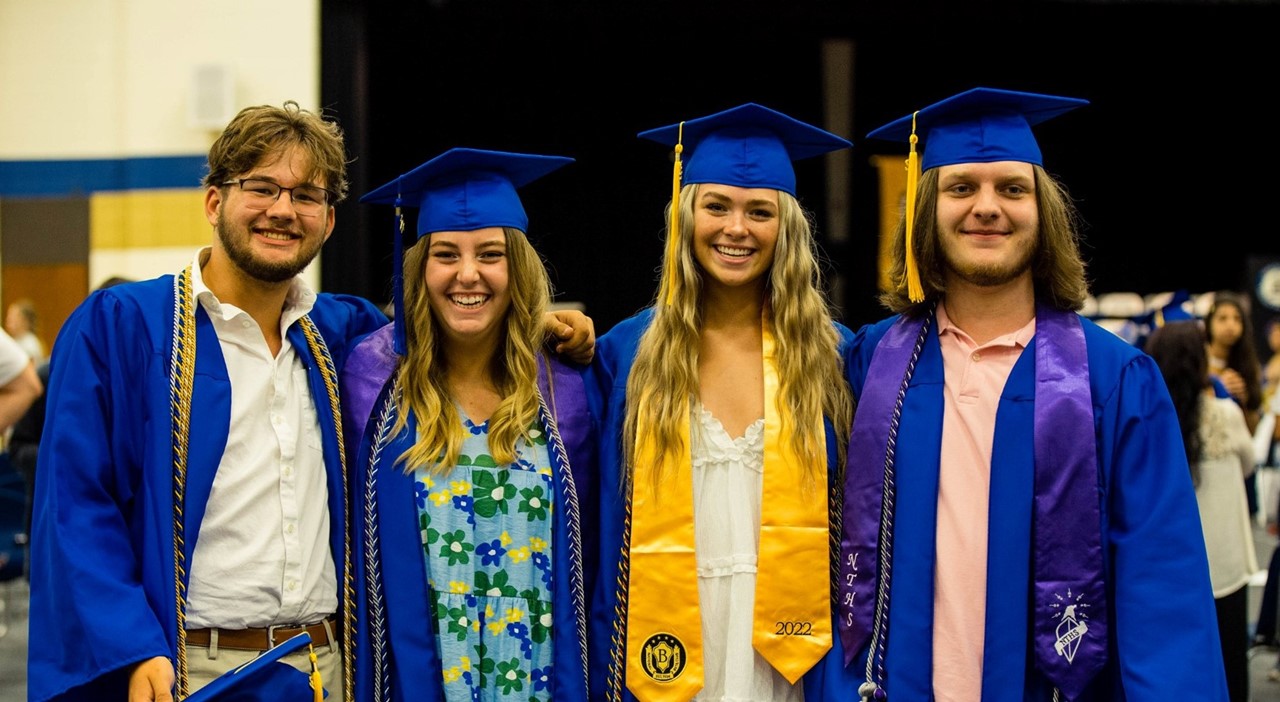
(261, 639)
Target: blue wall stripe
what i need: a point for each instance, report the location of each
(82, 177)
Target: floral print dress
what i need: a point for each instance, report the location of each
(486, 532)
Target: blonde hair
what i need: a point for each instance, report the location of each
(423, 373)
(664, 376)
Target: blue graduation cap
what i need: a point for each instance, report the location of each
(460, 190)
(982, 125)
(749, 146)
(264, 679)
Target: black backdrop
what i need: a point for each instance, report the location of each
(1171, 164)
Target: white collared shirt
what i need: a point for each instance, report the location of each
(263, 555)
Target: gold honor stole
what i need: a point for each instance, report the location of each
(792, 616)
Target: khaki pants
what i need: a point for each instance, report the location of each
(204, 663)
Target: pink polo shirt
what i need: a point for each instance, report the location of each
(975, 377)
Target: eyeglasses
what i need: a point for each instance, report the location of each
(262, 194)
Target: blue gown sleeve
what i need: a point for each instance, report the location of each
(90, 530)
(1165, 630)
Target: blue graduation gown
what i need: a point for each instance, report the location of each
(394, 617)
(1163, 636)
(102, 579)
(615, 352)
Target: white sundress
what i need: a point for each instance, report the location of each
(727, 481)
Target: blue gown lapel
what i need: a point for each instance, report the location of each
(1004, 663)
(329, 439)
(910, 653)
(416, 666)
(567, 592)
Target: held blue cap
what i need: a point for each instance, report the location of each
(265, 678)
(982, 125)
(748, 146)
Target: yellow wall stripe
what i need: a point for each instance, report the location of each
(147, 218)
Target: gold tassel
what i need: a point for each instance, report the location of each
(673, 230)
(915, 289)
(317, 686)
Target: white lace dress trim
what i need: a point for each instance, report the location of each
(728, 475)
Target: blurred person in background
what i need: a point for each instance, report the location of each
(20, 322)
(1233, 361)
(1219, 452)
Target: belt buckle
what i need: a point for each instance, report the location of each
(271, 634)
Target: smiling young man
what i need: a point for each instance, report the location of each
(1019, 523)
(192, 419)
(192, 487)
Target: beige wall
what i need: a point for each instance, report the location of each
(114, 79)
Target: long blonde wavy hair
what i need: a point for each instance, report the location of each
(663, 383)
(423, 372)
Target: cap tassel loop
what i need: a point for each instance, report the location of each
(915, 289)
(397, 266)
(317, 685)
(673, 231)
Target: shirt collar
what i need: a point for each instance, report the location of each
(298, 302)
(1019, 338)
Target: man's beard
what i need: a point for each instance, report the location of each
(242, 256)
(991, 274)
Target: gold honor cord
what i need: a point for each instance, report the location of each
(181, 380)
(617, 640)
(792, 617)
(664, 626)
(915, 289)
(320, 352)
(673, 230)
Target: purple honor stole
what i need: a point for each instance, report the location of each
(565, 394)
(868, 497)
(1070, 608)
(1070, 615)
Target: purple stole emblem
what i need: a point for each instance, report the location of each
(1069, 619)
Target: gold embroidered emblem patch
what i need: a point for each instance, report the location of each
(663, 657)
